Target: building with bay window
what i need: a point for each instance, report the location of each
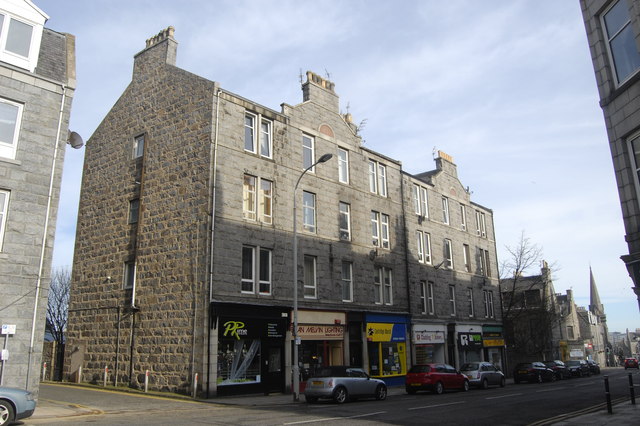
(188, 268)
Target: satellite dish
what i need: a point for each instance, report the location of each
(75, 140)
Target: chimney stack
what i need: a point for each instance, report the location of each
(321, 92)
(161, 49)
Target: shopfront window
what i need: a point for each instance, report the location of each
(387, 359)
(425, 354)
(238, 361)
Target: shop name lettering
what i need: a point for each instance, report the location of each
(234, 329)
(324, 330)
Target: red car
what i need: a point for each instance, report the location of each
(631, 363)
(435, 377)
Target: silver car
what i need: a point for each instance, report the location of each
(483, 374)
(341, 383)
(15, 404)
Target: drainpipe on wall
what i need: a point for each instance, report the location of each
(44, 235)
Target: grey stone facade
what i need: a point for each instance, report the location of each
(32, 187)
(618, 82)
(194, 234)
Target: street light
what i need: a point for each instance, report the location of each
(296, 367)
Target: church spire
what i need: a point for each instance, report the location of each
(595, 305)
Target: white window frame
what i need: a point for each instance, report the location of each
(36, 22)
(249, 281)
(311, 149)
(256, 281)
(466, 253)
(138, 146)
(129, 272)
(9, 149)
(452, 300)
(430, 299)
(384, 231)
(258, 137)
(380, 230)
(481, 224)
(478, 231)
(310, 287)
(634, 156)
(250, 127)
(343, 165)
(463, 217)
(347, 281)
(445, 210)
(470, 300)
(266, 138)
(423, 241)
(424, 199)
(627, 26)
(383, 286)
(344, 215)
(265, 201)
(4, 209)
(264, 282)
(249, 197)
(375, 228)
(373, 177)
(382, 180)
(309, 212)
(423, 297)
(416, 199)
(448, 253)
(427, 248)
(488, 304)
(377, 178)
(420, 245)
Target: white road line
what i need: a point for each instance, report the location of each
(436, 405)
(504, 396)
(550, 389)
(327, 419)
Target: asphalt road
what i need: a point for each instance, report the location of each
(521, 404)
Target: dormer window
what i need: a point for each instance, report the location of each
(20, 36)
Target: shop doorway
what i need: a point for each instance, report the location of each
(272, 370)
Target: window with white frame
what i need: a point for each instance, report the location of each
(347, 281)
(309, 211)
(420, 245)
(485, 266)
(445, 210)
(4, 207)
(466, 254)
(423, 297)
(257, 203)
(138, 146)
(430, 299)
(452, 300)
(420, 200)
(448, 254)
(470, 302)
(19, 41)
(463, 217)
(344, 221)
(310, 283)
(256, 270)
(488, 304)
(10, 118)
(633, 146)
(424, 200)
(308, 152)
(134, 210)
(343, 165)
(377, 178)
(258, 134)
(621, 41)
(129, 280)
(380, 229)
(384, 230)
(481, 227)
(383, 286)
(416, 199)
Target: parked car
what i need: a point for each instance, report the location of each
(483, 374)
(533, 372)
(435, 377)
(594, 367)
(630, 363)
(15, 404)
(559, 368)
(342, 383)
(578, 368)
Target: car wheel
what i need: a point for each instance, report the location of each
(539, 378)
(503, 382)
(7, 415)
(439, 389)
(485, 384)
(411, 391)
(381, 392)
(311, 399)
(465, 386)
(340, 395)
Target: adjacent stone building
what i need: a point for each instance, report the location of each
(186, 233)
(613, 28)
(37, 83)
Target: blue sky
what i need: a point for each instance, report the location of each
(506, 87)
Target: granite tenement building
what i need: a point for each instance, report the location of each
(37, 83)
(186, 233)
(613, 28)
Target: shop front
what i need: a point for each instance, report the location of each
(493, 344)
(322, 340)
(428, 343)
(387, 347)
(469, 347)
(250, 349)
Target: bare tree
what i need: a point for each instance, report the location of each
(58, 303)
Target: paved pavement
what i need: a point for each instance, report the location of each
(624, 413)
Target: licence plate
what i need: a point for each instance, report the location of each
(416, 384)
(317, 383)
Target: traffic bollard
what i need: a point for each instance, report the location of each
(106, 372)
(146, 381)
(195, 385)
(79, 378)
(607, 394)
(632, 393)
(44, 371)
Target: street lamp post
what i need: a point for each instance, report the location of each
(296, 366)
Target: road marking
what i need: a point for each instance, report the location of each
(436, 405)
(335, 418)
(583, 384)
(550, 389)
(504, 396)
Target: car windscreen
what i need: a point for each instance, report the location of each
(420, 369)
